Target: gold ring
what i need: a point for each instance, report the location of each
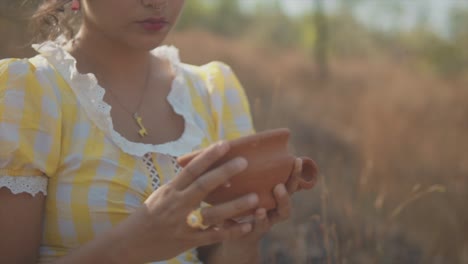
(195, 219)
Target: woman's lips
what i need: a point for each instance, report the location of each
(153, 24)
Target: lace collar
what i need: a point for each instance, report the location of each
(90, 95)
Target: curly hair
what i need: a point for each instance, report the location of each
(52, 19)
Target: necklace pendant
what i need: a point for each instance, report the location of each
(143, 132)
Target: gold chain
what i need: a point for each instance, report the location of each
(134, 114)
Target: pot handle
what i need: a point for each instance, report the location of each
(309, 175)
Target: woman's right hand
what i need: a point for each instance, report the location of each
(159, 231)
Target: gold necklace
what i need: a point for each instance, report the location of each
(137, 117)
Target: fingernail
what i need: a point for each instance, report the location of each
(241, 162)
(227, 184)
(246, 228)
(252, 199)
(280, 189)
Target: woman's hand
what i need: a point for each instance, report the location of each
(158, 230)
(246, 248)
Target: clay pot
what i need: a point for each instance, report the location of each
(269, 164)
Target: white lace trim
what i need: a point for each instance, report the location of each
(151, 168)
(25, 184)
(148, 161)
(90, 95)
(177, 167)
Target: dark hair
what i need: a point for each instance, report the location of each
(52, 19)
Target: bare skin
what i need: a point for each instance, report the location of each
(113, 45)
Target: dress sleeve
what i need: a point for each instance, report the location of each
(230, 106)
(29, 128)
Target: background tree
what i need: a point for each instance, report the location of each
(321, 45)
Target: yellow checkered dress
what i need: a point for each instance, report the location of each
(57, 137)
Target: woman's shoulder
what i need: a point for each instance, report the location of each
(171, 53)
(36, 63)
(209, 70)
(29, 75)
(214, 77)
(224, 97)
(15, 67)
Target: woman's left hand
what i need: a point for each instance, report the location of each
(246, 249)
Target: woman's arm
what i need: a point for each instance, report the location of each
(21, 229)
(20, 226)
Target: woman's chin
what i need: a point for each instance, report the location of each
(146, 43)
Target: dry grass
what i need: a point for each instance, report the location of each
(391, 143)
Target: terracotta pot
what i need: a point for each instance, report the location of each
(269, 164)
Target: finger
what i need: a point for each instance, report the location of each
(283, 211)
(218, 214)
(229, 223)
(261, 223)
(215, 235)
(199, 165)
(293, 181)
(211, 180)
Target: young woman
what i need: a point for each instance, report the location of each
(90, 130)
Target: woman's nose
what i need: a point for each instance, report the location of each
(155, 4)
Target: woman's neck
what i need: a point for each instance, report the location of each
(112, 62)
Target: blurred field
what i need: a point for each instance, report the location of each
(391, 143)
(388, 127)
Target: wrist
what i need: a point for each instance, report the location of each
(208, 254)
(118, 251)
(122, 250)
(108, 247)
